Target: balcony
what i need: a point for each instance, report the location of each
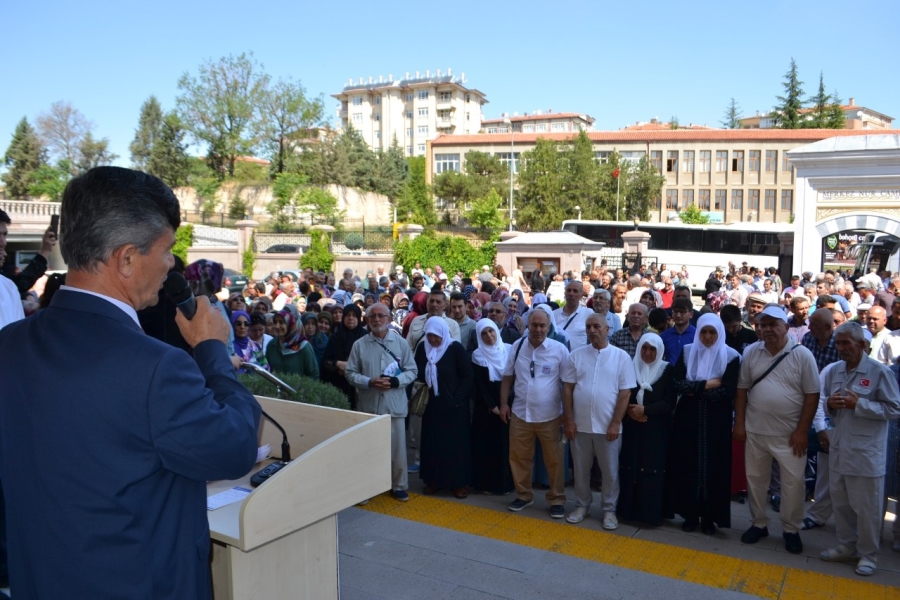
(445, 123)
(445, 105)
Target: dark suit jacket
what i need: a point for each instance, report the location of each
(107, 440)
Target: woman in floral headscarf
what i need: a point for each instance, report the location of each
(291, 352)
(245, 347)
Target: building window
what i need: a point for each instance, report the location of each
(377, 99)
(688, 198)
(409, 132)
(753, 199)
(409, 150)
(770, 200)
(754, 161)
(737, 199)
(721, 161)
(409, 114)
(377, 116)
(785, 164)
(656, 160)
(672, 161)
(423, 95)
(720, 199)
(446, 162)
(705, 159)
(377, 135)
(558, 127)
(787, 200)
(421, 148)
(446, 96)
(444, 114)
(357, 118)
(423, 112)
(704, 199)
(409, 98)
(504, 158)
(541, 128)
(737, 161)
(771, 161)
(422, 130)
(672, 199)
(467, 116)
(602, 156)
(492, 129)
(529, 128)
(504, 129)
(467, 98)
(687, 161)
(633, 157)
(357, 101)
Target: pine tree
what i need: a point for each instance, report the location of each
(168, 156)
(834, 114)
(392, 171)
(149, 127)
(820, 103)
(416, 203)
(583, 181)
(24, 156)
(732, 117)
(787, 112)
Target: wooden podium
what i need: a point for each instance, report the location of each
(281, 540)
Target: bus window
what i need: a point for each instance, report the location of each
(765, 244)
(659, 239)
(687, 241)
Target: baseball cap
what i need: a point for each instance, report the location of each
(775, 312)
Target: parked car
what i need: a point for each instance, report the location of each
(234, 281)
(285, 249)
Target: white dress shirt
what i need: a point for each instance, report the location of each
(538, 397)
(10, 303)
(573, 325)
(599, 376)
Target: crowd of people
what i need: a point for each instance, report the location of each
(668, 409)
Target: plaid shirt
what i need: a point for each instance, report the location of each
(824, 356)
(622, 339)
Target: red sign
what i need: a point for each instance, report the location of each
(616, 173)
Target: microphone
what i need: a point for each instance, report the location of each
(262, 475)
(178, 290)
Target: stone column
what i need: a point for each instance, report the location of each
(410, 231)
(245, 234)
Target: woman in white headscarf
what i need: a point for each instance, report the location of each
(706, 376)
(645, 435)
(446, 445)
(490, 435)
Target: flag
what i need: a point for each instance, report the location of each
(616, 173)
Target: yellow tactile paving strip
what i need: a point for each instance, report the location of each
(695, 566)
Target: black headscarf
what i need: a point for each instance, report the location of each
(342, 339)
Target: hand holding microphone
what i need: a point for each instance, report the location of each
(196, 317)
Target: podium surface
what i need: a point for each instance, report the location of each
(281, 540)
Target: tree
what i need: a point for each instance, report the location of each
(93, 153)
(732, 117)
(834, 114)
(673, 122)
(287, 118)
(454, 187)
(284, 191)
(787, 113)
(149, 128)
(643, 185)
(692, 215)
(168, 157)
(392, 171)
(541, 202)
(487, 172)
(486, 212)
(819, 102)
(416, 200)
(62, 129)
(50, 182)
(583, 176)
(218, 107)
(24, 156)
(320, 205)
(319, 256)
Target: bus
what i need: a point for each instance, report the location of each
(876, 250)
(700, 248)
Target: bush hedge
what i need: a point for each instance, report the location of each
(309, 391)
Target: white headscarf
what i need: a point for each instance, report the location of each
(705, 363)
(438, 327)
(492, 357)
(648, 374)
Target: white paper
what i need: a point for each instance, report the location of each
(235, 494)
(262, 453)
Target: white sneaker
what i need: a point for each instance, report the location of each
(578, 515)
(610, 521)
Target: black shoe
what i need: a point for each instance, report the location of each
(518, 504)
(689, 525)
(754, 534)
(708, 527)
(557, 511)
(792, 543)
(776, 503)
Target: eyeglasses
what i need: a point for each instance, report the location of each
(241, 324)
(377, 315)
(532, 369)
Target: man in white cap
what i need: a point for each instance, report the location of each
(777, 397)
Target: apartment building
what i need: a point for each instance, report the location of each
(415, 109)
(539, 121)
(858, 117)
(732, 174)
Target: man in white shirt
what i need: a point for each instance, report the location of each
(737, 293)
(437, 302)
(601, 307)
(572, 317)
(597, 383)
(885, 344)
(535, 364)
(10, 301)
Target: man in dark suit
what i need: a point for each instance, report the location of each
(107, 435)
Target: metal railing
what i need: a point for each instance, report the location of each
(29, 208)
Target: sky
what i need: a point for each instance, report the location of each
(617, 62)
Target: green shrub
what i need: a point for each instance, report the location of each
(184, 239)
(309, 391)
(248, 258)
(451, 252)
(319, 256)
(354, 241)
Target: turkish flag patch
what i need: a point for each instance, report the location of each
(864, 382)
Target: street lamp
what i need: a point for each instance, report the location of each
(578, 208)
(512, 158)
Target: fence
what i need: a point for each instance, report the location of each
(214, 236)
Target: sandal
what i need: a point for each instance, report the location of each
(810, 524)
(840, 553)
(865, 567)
